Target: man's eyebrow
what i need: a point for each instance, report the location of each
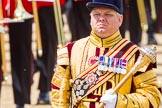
(95, 11)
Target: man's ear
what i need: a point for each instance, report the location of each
(120, 20)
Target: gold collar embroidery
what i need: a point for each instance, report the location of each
(106, 42)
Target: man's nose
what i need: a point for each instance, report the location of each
(102, 18)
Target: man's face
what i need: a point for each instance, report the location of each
(105, 21)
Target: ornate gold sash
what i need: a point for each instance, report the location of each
(82, 87)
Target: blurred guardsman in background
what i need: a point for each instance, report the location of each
(158, 24)
(89, 68)
(49, 42)
(20, 34)
(151, 23)
(78, 18)
(21, 55)
(131, 21)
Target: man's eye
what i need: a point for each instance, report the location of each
(96, 15)
(107, 15)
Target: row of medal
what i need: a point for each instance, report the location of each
(117, 65)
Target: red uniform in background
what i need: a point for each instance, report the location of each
(27, 5)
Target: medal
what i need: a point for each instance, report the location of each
(115, 65)
(105, 68)
(101, 63)
(101, 67)
(123, 71)
(123, 66)
(110, 61)
(101, 59)
(119, 65)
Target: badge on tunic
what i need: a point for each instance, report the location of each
(81, 85)
(92, 60)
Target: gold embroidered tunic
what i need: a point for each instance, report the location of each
(140, 91)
